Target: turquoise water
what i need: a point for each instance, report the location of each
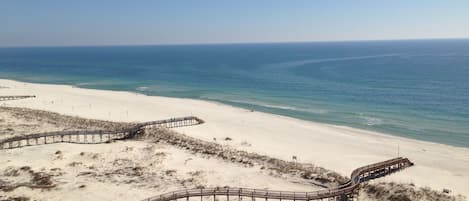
(417, 89)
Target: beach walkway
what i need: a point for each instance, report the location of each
(94, 136)
(345, 192)
(7, 98)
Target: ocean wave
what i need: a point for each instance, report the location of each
(273, 106)
(292, 64)
(142, 88)
(370, 121)
(84, 84)
(99, 83)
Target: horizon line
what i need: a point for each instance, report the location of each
(226, 43)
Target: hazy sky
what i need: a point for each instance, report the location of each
(118, 22)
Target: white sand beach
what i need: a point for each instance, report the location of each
(337, 148)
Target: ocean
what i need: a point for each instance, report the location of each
(411, 88)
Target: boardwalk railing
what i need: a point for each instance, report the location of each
(6, 98)
(343, 192)
(94, 136)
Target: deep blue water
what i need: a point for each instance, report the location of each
(417, 89)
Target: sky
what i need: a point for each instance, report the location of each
(146, 22)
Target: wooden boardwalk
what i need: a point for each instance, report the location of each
(7, 98)
(345, 192)
(94, 136)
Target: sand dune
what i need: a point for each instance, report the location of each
(333, 147)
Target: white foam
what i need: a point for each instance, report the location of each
(291, 64)
(371, 121)
(142, 88)
(275, 106)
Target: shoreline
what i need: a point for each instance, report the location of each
(371, 133)
(280, 136)
(357, 127)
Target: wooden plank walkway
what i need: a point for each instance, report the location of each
(94, 136)
(345, 192)
(7, 98)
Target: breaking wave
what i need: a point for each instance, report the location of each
(370, 121)
(272, 106)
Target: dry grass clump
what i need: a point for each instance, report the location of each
(246, 144)
(404, 192)
(131, 172)
(13, 178)
(59, 120)
(21, 198)
(319, 175)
